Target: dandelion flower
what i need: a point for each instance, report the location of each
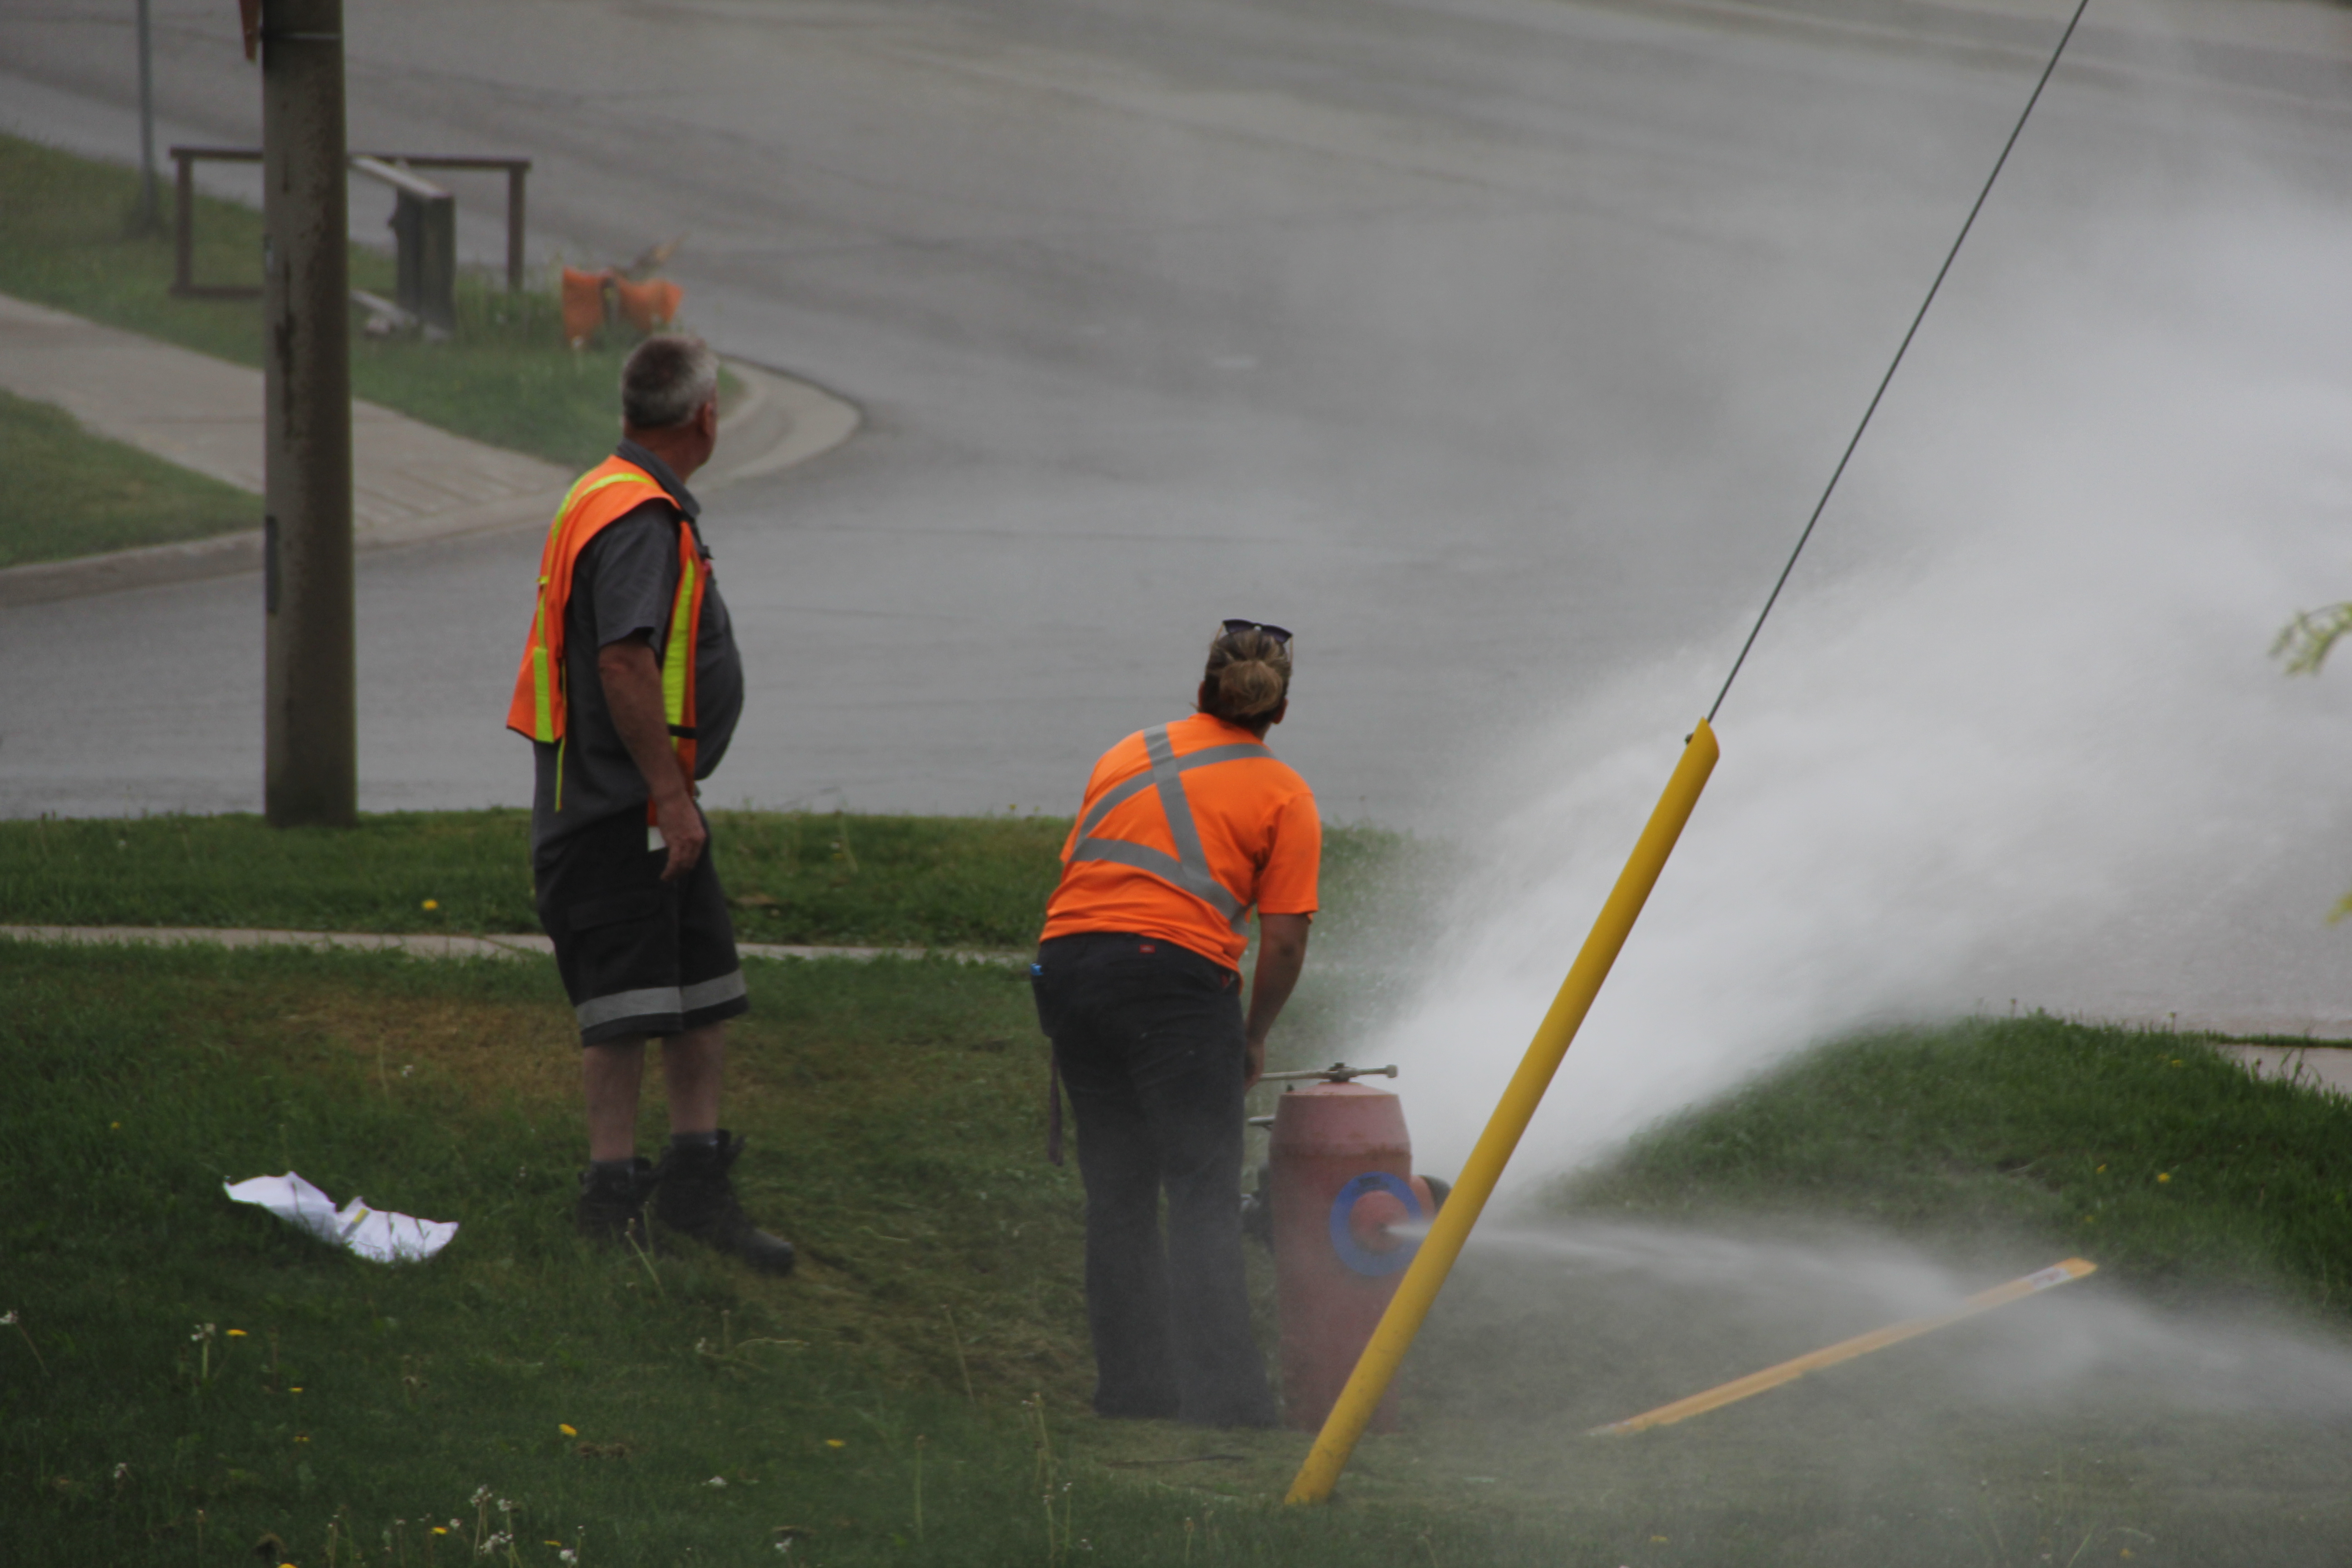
(296, 1389)
(2164, 1176)
(567, 1429)
(114, 1127)
(836, 1443)
(237, 1334)
(432, 903)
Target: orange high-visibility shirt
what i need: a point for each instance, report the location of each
(1185, 828)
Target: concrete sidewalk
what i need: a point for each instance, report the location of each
(411, 483)
(2322, 1067)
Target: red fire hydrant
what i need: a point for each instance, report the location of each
(1345, 1204)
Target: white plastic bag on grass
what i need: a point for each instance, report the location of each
(371, 1233)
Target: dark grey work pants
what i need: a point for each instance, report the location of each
(1149, 1039)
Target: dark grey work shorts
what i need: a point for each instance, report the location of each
(638, 955)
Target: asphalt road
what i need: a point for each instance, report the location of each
(1497, 346)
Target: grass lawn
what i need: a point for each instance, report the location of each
(795, 878)
(73, 493)
(507, 378)
(2151, 1152)
(915, 1393)
(896, 1125)
(188, 1382)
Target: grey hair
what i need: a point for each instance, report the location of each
(665, 379)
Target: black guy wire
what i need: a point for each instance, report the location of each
(1893, 365)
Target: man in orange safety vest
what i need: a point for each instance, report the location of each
(629, 689)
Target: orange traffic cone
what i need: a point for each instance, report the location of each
(583, 305)
(650, 305)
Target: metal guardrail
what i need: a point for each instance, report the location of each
(392, 168)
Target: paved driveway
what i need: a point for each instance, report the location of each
(1499, 346)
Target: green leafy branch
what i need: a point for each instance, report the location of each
(2305, 641)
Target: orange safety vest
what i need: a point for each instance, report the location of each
(603, 495)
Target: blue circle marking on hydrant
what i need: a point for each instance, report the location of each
(1343, 1236)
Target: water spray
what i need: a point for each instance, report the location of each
(1363, 1394)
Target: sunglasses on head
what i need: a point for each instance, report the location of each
(1281, 634)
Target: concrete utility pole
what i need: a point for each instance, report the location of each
(309, 692)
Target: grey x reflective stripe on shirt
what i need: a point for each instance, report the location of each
(1189, 867)
(660, 1001)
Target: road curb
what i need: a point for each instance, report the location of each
(781, 422)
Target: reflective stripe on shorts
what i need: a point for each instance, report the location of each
(704, 993)
(660, 1001)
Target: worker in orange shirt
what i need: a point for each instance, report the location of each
(1185, 827)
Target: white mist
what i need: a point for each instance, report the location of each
(2012, 733)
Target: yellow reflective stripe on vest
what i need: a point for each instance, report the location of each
(677, 656)
(637, 479)
(582, 489)
(542, 693)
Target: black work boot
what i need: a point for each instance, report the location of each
(611, 1207)
(696, 1198)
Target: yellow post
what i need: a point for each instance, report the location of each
(1431, 1264)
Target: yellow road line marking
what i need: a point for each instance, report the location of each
(1846, 1350)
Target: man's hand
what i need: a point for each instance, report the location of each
(682, 831)
(632, 692)
(1281, 954)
